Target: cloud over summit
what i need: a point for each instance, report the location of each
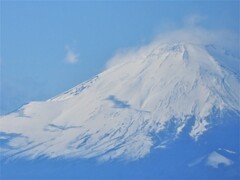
(191, 32)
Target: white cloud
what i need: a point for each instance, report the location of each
(193, 20)
(71, 56)
(199, 35)
(191, 32)
(122, 55)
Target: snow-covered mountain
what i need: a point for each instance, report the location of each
(143, 102)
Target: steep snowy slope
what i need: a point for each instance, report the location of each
(121, 112)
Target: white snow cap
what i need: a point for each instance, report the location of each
(118, 113)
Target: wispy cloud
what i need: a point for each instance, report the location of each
(190, 32)
(71, 56)
(193, 20)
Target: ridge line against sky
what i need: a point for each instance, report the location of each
(48, 47)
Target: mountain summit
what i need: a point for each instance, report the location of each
(143, 102)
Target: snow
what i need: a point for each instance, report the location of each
(227, 150)
(197, 161)
(225, 58)
(199, 128)
(215, 159)
(115, 114)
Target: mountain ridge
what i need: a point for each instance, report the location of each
(115, 113)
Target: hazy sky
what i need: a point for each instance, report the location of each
(47, 47)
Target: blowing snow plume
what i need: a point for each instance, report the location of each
(224, 40)
(120, 112)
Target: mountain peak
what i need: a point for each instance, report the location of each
(116, 113)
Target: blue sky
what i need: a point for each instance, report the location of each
(50, 46)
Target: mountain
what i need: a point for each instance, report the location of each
(146, 102)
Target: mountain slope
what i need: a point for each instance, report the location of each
(122, 112)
